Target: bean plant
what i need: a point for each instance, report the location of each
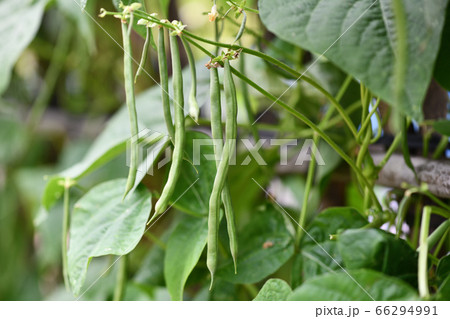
(283, 148)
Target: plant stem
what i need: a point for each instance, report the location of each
(245, 96)
(305, 120)
(65, 231)
(441, 147)
(437, 234)
(58, 59)
(423, 254)
(395, 144)
(440, 243)
(308, 186)
(155, 240)
(121, 279)
(285, 67)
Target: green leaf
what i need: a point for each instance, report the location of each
(357, 285)
(443, 292)
(20, 22)
(184, 249)
(202, 171)
(378, 250)
(265, 245)
(443, 269)
(316, 259)
(360, 37)
(13, 137)
(442, 127)
(442, 66)
(274, 290)
(330, 222)
(319, 254)
(81, 19)
(151, 271)
(103, 224)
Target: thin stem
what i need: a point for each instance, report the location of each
(245, 96)
(305, 120)
(155, 240)
(308, 187)
(65, 231)
(285, 67)
(437, 234)
(368, 119)
(440, 243)
(121, 279)
(423, 254)
(58, 59)
(395, 144)
(344, 87)
(441, 147)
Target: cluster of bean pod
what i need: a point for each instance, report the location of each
(176, 127)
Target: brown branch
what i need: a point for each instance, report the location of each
(436, 173)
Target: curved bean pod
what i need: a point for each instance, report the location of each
(217, 135)
(164, 77)
(148, 35)
(222, 170)
(194, 109)
(131, 104)
(177, 157)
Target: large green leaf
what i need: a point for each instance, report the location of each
(320, 259)
(442, 67)
(20, 22)
(319, 254)
(443, 269)
(360, 36)
(184, 249)
(330, 222)
(264, 246)
(443, 292)
(104, 224)
(378, 250)
(195, 184)
(357, 285)
(442, 127)
(274, 290)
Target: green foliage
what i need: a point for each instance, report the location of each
(375, 249)
(265, 242)
(103, 224)
(319, 254)
(367, 46)
(358, 285)
(184, 249)
(274, 290)
(17, 36)
(193, 197)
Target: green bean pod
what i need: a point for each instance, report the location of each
(131, 104)
(194, 109)
(242, 27)
(217, 135)
(222, 170)
(148, 35)
(177, 157)
(164, 77)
